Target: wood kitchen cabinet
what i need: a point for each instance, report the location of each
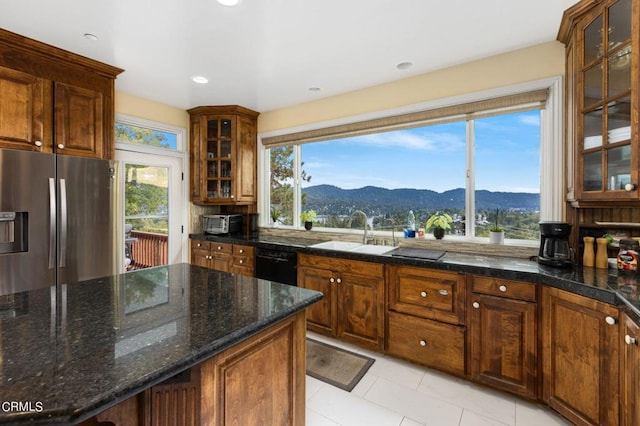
(503, 334)
(630, 372)
(580, 354)
(54, 101)
(353, 305)
(602, 92)
(239, 259)
(426, 316)
(223, 155)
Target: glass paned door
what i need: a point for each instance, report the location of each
(152, 215)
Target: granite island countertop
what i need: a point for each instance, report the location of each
(605, 285)
(108, 339)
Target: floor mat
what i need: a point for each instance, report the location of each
(336, 366)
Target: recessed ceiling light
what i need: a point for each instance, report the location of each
(228, 2)
(314, 89)
(200, 79)
(404, 65)
(90, 36)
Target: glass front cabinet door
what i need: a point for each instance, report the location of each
(223, 155)
(602, 87)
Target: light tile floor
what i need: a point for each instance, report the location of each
(398, 393)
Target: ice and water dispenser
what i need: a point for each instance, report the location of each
(13, 232)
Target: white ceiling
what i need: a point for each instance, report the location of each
(266, 54)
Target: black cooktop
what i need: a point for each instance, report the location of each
(418, 253)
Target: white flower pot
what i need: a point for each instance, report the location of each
(496, 237)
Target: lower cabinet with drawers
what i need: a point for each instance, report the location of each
(235, 258)
(426, 313)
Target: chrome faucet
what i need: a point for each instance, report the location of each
(365, 238)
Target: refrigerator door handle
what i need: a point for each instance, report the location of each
(63, 223)
(52, 223)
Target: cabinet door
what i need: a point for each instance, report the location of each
(25, 114)
(79, 127)
(630, 373)
(580, 357)
(245, 160)
(503, 343)
(321, 316)
(360, 309)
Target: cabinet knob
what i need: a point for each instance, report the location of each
(443, 292)
(630, 340)
(339, 280)
(423, 343)
(60, 146)
(38, 143)
(423, 294)
(476, 305)
(241, 251)
(502, 288)
(219, 248)
(232, 196)
(332, 280)
(610, 320)
(630, 187)
(198, 245)
(241, 262)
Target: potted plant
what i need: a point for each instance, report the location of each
(496, 232)
(275, 214)
(307, 217)
(439, 222)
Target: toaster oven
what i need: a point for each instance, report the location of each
(222, 224)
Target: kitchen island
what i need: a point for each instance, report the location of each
(122, 347)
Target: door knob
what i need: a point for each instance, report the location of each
(60, 146)
(630, 340)
(38, 143)
(423, 343)
(610, 320)
(476, 305)
(423, 294)
(502, 288)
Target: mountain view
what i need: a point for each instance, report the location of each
(331, 200)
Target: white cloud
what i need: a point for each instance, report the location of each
(530, 120)
(413, 140)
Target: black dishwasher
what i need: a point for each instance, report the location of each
(276, 264)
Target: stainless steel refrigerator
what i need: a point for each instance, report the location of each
(56, 220)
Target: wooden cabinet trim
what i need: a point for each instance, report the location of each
(504, 288)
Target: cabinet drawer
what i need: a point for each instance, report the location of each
(504, 288)
(431, 343)
(200, 245)
(247, 251)
(427, 293)
(221, 248)
(342, 265)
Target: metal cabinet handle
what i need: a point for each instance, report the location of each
(610, 320)
(339, 280)
(476, 305)
(502, 288)
(423, 294)
(629, 340)
(60, 146)
(37, 143)
(443, 292)
(423, 343)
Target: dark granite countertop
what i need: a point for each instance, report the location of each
(605, 285)
(108, 339)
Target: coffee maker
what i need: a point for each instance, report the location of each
(554, 244)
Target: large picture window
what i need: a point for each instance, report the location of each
(481, 167)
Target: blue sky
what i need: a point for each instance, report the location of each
(507, 157)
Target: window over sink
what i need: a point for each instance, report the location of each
(481, 159)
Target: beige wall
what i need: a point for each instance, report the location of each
(533, 63)
(150, 110)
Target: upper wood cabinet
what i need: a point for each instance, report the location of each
(602, 94)
(52, 100)
(223, 155)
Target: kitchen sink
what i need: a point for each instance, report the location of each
(337, 245)
(352, 247)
